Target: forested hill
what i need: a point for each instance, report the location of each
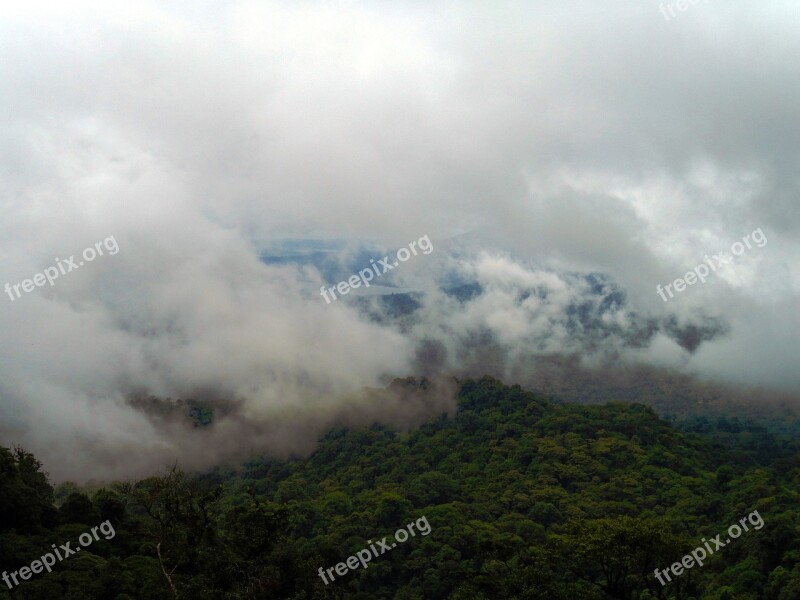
(526, 499)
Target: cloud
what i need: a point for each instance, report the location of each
(590, 152)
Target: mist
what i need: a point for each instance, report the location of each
(563, 162)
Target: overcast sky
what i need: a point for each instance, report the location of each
(563, 137)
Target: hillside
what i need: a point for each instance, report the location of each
(521, 498)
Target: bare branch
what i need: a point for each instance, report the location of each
(167, 575)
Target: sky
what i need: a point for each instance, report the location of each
(534, 143)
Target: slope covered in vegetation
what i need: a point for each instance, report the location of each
(526, 498)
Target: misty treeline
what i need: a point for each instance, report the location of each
(528, 499)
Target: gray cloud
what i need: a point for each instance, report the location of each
(568, 139)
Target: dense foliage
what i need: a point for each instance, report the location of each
(527, 499)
